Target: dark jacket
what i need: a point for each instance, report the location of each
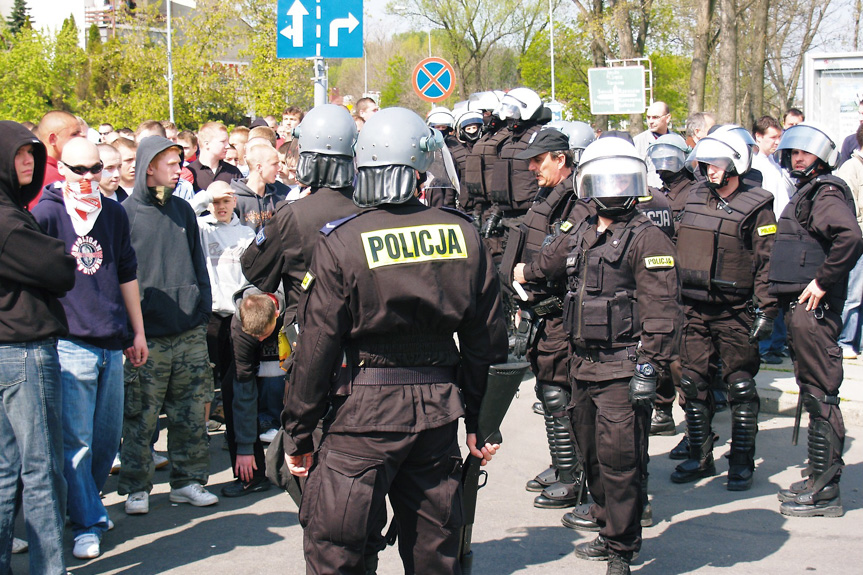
(94, 307)
(202, 176)
(254, 210)
(391, 287)
(172, 271)
(35, 269)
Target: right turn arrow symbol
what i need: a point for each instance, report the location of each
(350, 23)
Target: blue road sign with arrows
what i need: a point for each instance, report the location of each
(325, 28)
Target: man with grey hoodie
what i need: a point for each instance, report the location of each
(176, 304)
(258, 194)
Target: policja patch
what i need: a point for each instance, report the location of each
(766, 230)
(659, 262)
(308, 280)
(413, 244)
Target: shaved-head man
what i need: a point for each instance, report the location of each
(110, 180)
(101, 307)
(211, 165)
(55, 129)
(258, 194)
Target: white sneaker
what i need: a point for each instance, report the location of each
(115, 467)
(19, 545)
(268, 436)
(195, 494)
(86, 546)
(138, 503)
(160, 461)
(110, 525)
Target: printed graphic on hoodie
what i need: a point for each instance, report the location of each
(88, 254)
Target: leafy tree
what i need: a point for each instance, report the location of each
(19, 17)
(25, 93)
(394, 89)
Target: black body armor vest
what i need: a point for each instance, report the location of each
(513, 185)
(714, 255)
(797, 254)
(600, 310)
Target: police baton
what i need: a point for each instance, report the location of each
(503, 382)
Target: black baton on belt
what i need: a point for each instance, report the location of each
(503, 382)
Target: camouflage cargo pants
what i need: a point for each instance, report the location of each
(175, 377)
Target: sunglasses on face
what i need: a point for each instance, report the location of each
(81, 170)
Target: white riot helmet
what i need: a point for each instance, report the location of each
(811, 139)
(668, 153)
(725, 150)
(394, 144)
(440, 116)
(326, 139)
(520, 104)
(464, 121)
(483, 101)
(613, 174)
(742, 132)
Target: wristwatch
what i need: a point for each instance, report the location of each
(645, 369)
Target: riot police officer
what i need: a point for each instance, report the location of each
(668, 154)
(622, 314)
(387, 290)
(724, 242)
(441, 187)
(540, 333)
(817, 244)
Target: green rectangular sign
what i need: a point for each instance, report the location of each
(616, 90)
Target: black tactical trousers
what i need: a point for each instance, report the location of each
(812, 337)
(344, 499)
(612, 438)
(713, 330)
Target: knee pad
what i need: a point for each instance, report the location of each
(555, 399)
(741, 388)
(690, 387)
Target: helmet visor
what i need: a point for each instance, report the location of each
(612, 177)
(716, 153)
(509, 110)
(809, 139)
(666, 157)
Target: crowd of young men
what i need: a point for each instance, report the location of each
(624, 269)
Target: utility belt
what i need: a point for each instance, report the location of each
(415, 375)
(601, 355)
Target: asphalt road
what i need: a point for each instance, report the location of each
(699, 528)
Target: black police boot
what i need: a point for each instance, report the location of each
(370, 564)
(542, 480)
(821, 495)
(700, 463)
(596, 550)
(558, 496)
(537, 408)
(662, 423)
(580, 519)
(681, 451)
(617, 565)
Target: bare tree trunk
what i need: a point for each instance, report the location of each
(759, 57)
(727, 106)
(858, 9)
(700, 55)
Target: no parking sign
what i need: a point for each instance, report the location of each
(434, 79)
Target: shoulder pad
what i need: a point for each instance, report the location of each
(465, 216)
(331, 226)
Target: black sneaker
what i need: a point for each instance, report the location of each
(238, 488)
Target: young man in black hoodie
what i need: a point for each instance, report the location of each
(176, 304)
(35, 271)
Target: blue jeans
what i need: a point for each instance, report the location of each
(271, 396)
(776, 342)
(92, 379)
(850, 336)
(31, 447)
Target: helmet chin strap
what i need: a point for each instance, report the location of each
(613, 211)
(807, 172)
(714, 186)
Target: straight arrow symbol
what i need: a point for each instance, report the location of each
(295, 30)
(350, 23)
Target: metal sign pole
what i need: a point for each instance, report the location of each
(170, 69)
(320, 80)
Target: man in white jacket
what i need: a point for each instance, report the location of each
(224, 239)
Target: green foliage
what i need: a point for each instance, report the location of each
(397, 70)
(19, 17)
(25, 93)
(671, 84)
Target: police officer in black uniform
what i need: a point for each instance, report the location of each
(668, 154)
(540, 333)
(390, 287)
(724, 242)
(817, 245)
(622, 313)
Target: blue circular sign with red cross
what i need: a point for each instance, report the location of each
(434, 79)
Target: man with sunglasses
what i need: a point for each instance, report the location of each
(99, 308)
